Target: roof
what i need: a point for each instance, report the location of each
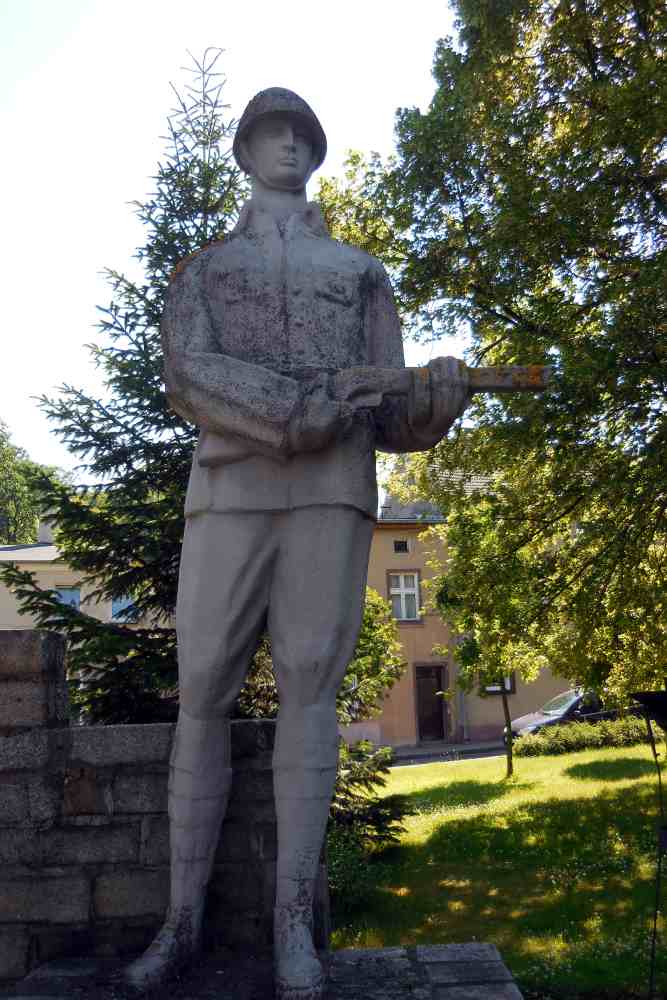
(418, 512)
(39, 552)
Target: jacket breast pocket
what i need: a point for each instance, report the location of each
(337, 288)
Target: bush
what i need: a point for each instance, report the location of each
(624, 732)
(352, 874)
(357, 806)
(361, 824)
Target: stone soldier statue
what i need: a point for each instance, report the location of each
(260, 332)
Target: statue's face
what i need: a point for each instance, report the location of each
(280, 151)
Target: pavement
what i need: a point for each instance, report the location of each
(428, 753)
(472, 971)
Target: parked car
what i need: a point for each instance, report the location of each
(575, 705)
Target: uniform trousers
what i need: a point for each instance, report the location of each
(301, 574)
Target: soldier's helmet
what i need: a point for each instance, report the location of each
(279, 100)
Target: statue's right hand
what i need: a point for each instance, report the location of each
(318, 420)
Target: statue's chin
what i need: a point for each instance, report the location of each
(291, 185)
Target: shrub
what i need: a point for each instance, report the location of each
(352, 874)
(623, 732)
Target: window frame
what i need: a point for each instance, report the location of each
(401, 591)
(71, 587)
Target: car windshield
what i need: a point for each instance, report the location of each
(559, 704)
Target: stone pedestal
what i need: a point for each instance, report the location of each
(84, 834)
(436, 972)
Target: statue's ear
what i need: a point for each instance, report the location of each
(245, 157)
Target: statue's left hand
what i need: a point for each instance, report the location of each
(449, 391)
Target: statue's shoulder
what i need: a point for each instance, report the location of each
(355, 259)
(196, 263)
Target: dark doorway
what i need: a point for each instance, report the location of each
(431, 707)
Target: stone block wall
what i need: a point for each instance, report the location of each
(84, 843)
(33, 691)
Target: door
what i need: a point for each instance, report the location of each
(431, 707)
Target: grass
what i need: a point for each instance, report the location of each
(556, 867)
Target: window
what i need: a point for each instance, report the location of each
(122, 608)
(404, 596)
(70, 596)
(400, 545)
(509, 682)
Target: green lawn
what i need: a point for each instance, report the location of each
(556, 867)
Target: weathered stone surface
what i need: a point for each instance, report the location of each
(252, 785)
(241, 841)
(23, 703)
(14, 943)
(31, 651)
(356, 956)
(251, 737)
(454, 973)
(375, 974)
(496, 991)
(59, 896)
(45, 795)
(109, 745)
(25, 751)
(140, 792)
(91, 845)
(133, 893)
(468, 952)
(13, 803)
(154, 849)
(86, 792)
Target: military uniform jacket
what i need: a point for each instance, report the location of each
(249, 323)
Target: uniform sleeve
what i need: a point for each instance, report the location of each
(393, 428)
(213, 390)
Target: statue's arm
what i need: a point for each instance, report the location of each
(213, 390)
(400, 421)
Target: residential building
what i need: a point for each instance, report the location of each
(415, 710)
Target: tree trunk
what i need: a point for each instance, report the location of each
(508, 724)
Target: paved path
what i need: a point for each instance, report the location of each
(429, 753)
(436, 972)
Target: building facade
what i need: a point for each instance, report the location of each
(426, 705)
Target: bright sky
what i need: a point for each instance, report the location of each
(84, 94)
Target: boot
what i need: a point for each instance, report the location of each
(199, 783)
(298, 970)
(304, 773)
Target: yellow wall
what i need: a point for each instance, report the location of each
(480, 718)
(51, 575)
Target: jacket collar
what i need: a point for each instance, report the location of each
(255, 220)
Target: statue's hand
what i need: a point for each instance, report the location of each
(318, 420)
(450, 391)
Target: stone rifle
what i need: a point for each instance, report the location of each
(367, 386)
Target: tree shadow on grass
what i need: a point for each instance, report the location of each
(569, 880)
(614, 769)
(459, 794)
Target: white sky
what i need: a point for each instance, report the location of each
(84, 94)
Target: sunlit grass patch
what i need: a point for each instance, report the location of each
(556, 867)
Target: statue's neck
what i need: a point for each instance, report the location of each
(279, 204)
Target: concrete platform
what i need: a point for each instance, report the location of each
(425, 972)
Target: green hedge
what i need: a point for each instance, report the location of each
(622, 732)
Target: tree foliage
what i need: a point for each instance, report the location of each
(19, 509)
(533, 193)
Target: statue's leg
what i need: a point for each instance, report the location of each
(315, 612)
(221, 609)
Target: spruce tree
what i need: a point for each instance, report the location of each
(123, 533)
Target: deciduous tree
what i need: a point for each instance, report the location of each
(533, 195)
